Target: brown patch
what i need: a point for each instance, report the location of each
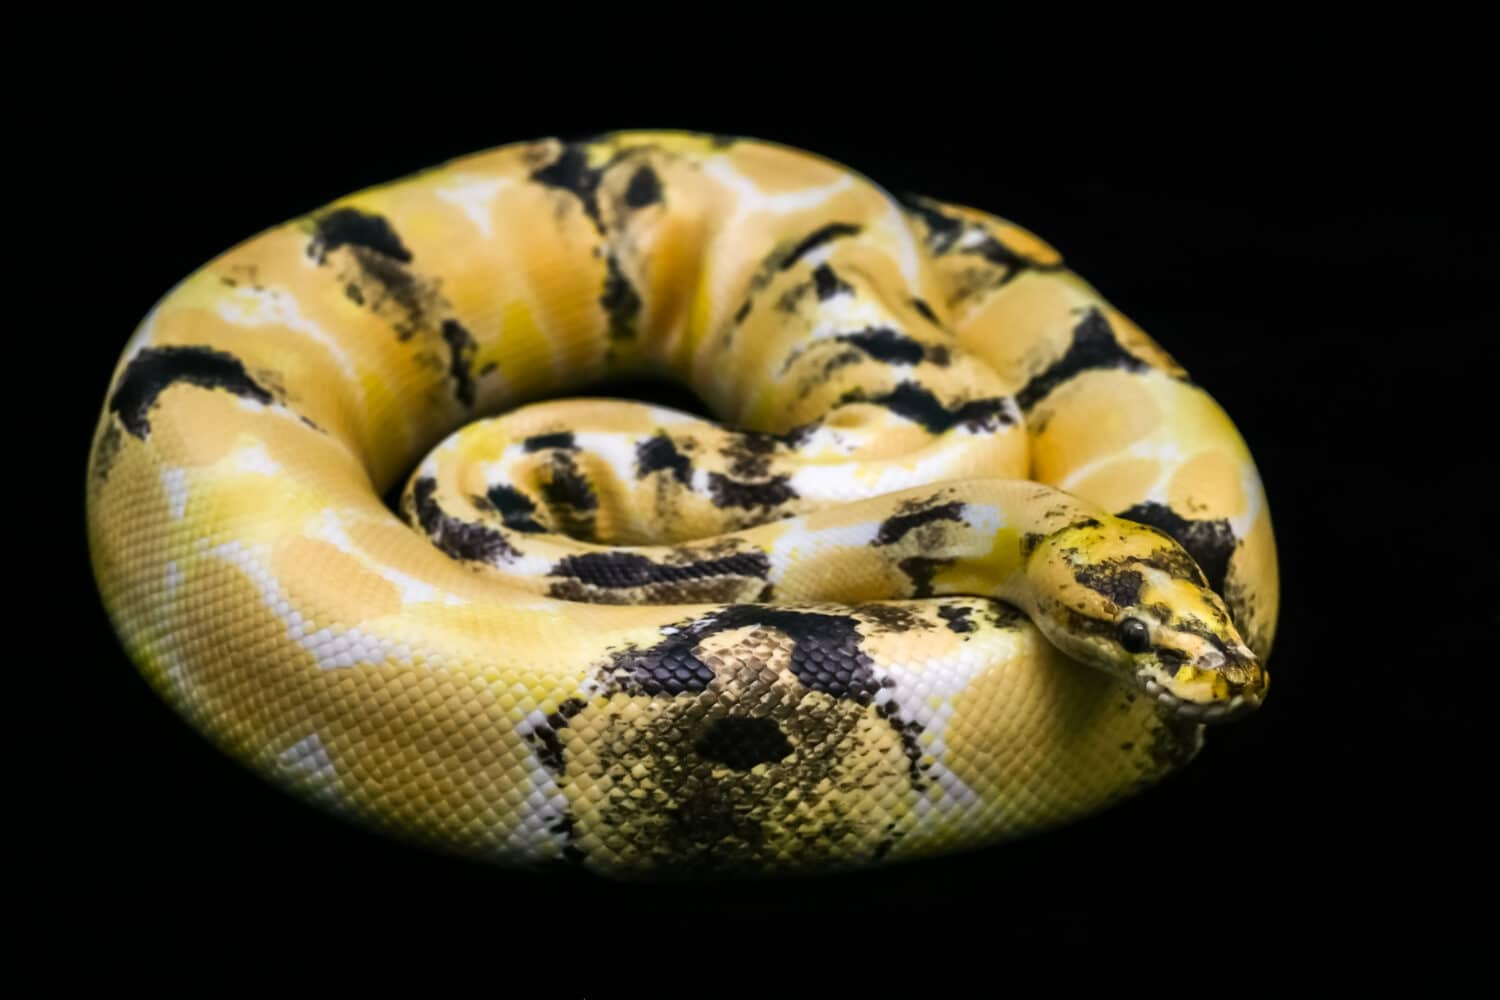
(645, 794)
(718, 590)
(895, 617)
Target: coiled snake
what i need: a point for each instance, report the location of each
(927, 597)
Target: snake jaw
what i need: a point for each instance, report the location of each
(1194, 711)
(1213, 688)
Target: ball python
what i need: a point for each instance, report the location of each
(968, 556)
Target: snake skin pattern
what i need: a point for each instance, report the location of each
(976, 560)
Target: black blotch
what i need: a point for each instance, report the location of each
(891, 616)
(352, 292)
(154, 369)
(454, 536)
(1211, 543)
(783, 260)
(825, 653)
(1171, 659)
(353, 228)
(516, 509)
(1163, 612)
(957, 617)
(942, 230)
(628, 569)
(726, 492)
(644, 188)
(825, 657)
(1094, 346)
(912, 401)
(1084, 625)
(815, 239)
(565, 711)
(1177, 564)
(799, 435)
(659, 452)
(909, 731)
(1231, 655)
(740, 743)
(571, 172)
(986, 415)
(895, 527)
(920, 570)
(749, 453)
(397, 283)
(791, 298)
(1003, 616)
(620, 301)
(917, 404)
(921, 306)
(547, 746)
(461, 347)
(568, 487)
(107, 450)
(1000, 255)
(557, 439)
(670, 667)
(1029, 542)
(1122, 586)
(843, 359)
(828, 283)
(884, 344)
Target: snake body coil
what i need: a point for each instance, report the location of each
(978, 561)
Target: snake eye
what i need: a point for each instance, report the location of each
(1134, 635)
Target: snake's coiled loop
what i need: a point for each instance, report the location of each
(844, 632)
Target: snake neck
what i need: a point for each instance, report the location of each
(979, 538)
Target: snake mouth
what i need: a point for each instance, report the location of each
(1237, 707)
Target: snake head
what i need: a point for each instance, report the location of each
(1128, 599)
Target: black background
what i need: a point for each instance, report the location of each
(1289, 208)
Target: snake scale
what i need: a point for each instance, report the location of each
(969, 555)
